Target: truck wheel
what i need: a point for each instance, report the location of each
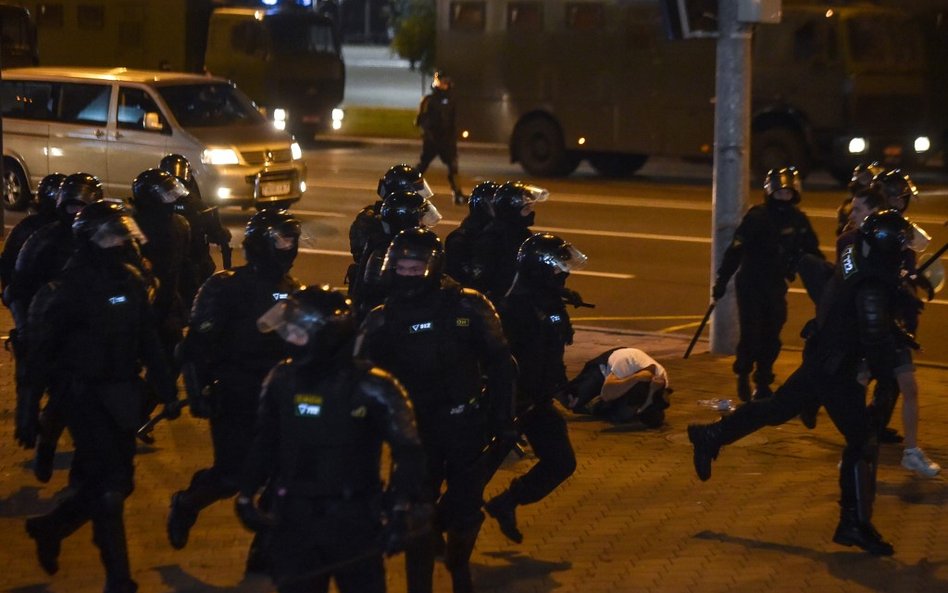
(612, 164)
(778, 147)
(16, 190)
(541, 151)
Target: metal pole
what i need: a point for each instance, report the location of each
(3, 173)
(731, 158)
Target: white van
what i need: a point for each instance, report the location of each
(115, 123)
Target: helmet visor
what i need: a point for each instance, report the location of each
(292, 322)
(173, 192)
(283, 239)
(429, 215)
(532, 193)
(566, 259)
(117, 231)
(918, 239)
(423, 189)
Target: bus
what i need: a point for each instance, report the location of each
(18, 39)
(560, 81)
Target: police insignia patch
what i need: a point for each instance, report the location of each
(359, 412)
(848, 262)
(308, 404)
(206, 326)
(463, 322)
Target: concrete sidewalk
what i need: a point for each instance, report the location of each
(633, 518)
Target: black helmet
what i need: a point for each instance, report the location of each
(897, 187)
(545, 260)
(178, 166)
(76, 191)
(156, 188)
(785, 178)
(314, 317)
(887, 233)
(863, 175)
(407, 209)
(510, 198)
(403, 178)
(421, 245)
(47, 194)
(481, 199)
(271, 241)
(104, 224)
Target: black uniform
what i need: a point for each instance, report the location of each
(92, 329)
(460, 245)
(440, 341)
(322, 423)
(225, 359)
(854, 322)
(766, 247)
(436, 118)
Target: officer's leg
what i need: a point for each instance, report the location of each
(295, 551)
(258, 556)
(845, 403)
(884, 396)
(229, 437)
(52, 422)
(771, 322)
(748, 313)
(546, 430)
(360, 530)
(708, 439)
(428, 152)
(462, 516)
(420, 551)
(108, 533)
(50, 529)
(449, 156)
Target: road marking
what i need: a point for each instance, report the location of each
(626, 235)
(638, 318)
(933, 302)
(603, 275)
(312, 251)
(319, 213)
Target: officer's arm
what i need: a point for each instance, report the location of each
(205, 333)
(809, 242)
(495, 357)
(873, 305)
(50, 316)
(369, 339)
(159, 374)
(263, 452)
(388, 402)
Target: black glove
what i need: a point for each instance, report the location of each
(571, 297)
(172, 409)
(922, 281)
(719, 290)
(27, 420)
(252, 517)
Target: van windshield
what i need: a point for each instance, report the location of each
(210, 105)
(292, 35)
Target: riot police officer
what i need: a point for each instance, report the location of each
(206, 228)
(44, 212)
(40, 260)
(441, 341)
(323, 419)
(459, 245)
(92, 329)
(767, 247)
(855, 321)
(154, 194)
(538, 329)
(496, 247)
(439, 138)
(400, 210)
(225, 358)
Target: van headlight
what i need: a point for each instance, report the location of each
(295, 151)
(858, 145)
(922, 144)
(219, 156)
(279, 118)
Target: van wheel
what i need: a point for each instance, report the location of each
(775, 148)
(16, 190)
(617, 165)
(540, 148)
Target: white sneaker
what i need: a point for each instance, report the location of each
(916, 461)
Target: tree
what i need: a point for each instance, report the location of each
(414, 40)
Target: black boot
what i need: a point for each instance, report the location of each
(744, 387)
(853, 532)
(808, 414)
(457, 557)
(258, 557)
(51, 428)
(49, 530)
(763, 391)
(180, 520)
(108, 533)
(503, 508)
(419, 565)
(706, 441)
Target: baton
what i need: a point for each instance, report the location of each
(704, 322)
(932, 259)
(226, 258)
(144, 433)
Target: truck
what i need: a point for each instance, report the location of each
(286, 58)
(559, 81)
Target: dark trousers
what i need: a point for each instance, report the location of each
(844, 399)
(546, 430)
(316, 533)
(447, 151)
(762, 313)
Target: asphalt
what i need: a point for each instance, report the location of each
(633, 518)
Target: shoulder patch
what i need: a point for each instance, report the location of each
(308, 404)
(847, 261)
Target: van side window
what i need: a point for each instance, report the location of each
(27, 99)
(133, 104)
(85, 103)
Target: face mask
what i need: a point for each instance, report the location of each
(408, 286)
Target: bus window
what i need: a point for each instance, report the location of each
(468, 16)
(585, 16)
(301, 36)
(525, 17)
